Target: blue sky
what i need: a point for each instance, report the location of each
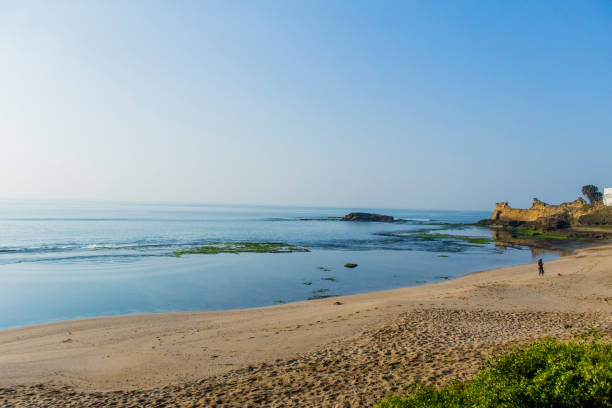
(447, 104)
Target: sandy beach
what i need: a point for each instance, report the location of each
(345, 351)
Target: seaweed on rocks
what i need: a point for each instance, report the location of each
(240, 247)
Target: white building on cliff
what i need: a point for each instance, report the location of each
(608, 196)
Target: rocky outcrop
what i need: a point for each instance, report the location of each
(539, 209)
(542, 215)
(600, 216)
(360, 216)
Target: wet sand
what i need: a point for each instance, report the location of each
(346, 351)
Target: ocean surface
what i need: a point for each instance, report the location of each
(68, 260)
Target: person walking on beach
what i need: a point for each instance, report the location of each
(540, 267)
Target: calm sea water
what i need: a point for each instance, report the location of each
(67, 260)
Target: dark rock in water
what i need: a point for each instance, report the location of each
(315, 297)
(359, 216)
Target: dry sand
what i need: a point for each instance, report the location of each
(347, 351)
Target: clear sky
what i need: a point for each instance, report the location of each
(407, 104)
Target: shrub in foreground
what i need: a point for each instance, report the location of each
(547, 373)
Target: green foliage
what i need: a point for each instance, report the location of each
(350, 265)
(592, 193)
(422, 396)
(308, 283)
(240, 247)
(547, 373)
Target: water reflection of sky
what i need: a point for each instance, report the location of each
(85, 261)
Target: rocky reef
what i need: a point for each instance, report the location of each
(361, 216)
(550, 217)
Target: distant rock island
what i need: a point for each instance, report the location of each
(361, 216)
(550, 217)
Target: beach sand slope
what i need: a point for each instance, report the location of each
(315, 353)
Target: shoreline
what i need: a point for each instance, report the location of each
(561, 252)
(132, 353)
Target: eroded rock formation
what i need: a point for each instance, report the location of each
(547, 216)
(540, 209)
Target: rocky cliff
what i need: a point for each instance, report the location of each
(539, 209)
(547, 216)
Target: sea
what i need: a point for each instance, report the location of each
(63, 260)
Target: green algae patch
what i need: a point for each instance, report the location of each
(537, 234)
(240, 247)
(308, 283)
(442, 256)
(465, 238)
(331, 279)
(596, 226)
(350, 265)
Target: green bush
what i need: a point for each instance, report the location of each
(547, 373)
